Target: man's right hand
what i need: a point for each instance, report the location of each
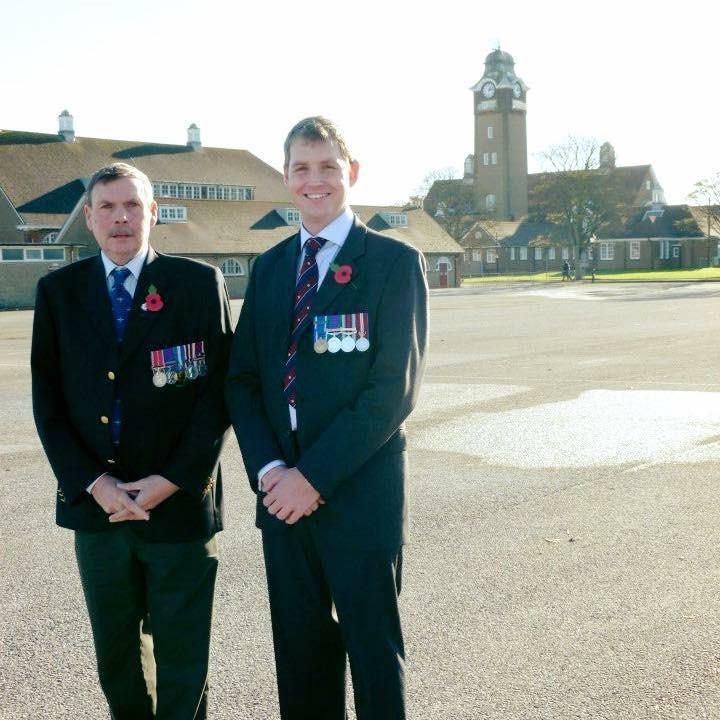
(112, 499)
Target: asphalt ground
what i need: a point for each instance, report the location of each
(565, 522)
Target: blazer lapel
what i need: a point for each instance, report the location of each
(353, 248)
(140, 321)
(283, 292)
(98, 306)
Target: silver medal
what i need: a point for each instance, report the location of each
(348, 344)
(362, 344)
(159, 379)
(334, 344)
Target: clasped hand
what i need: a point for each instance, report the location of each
(290, 496)
(131, 501)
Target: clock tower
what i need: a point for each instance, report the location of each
(500, 172)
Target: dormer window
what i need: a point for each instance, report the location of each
(290, 215)
(172, 214)
(198, 191)
(395, 219)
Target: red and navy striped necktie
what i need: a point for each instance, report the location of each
(305, 291)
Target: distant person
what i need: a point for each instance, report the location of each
(565, 270)
(325, 367)
(129, 354)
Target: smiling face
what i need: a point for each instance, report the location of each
(319, 179)
(120, 217)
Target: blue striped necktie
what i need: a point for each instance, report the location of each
(305, 291)
(121, 300)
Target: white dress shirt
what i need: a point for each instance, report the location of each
(335, 234)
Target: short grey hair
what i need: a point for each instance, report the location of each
(115, 171)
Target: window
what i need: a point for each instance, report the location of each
(493, 158)
(486, 158)
(195, 191)
(551, 253)
(607, 251)
(293, 216)
(172, 214)
(538, 253)
(566, 253)
(634, 249)
(491, 132)
(512, 253)
(397, 219)
(523, 253)
(648, 184)
(51, 237)
(467, 256)
(33, 254)
(490, 201)
(676, 251)
(232, 267)
(477, 255)
(491, 255)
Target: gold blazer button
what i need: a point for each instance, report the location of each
(111, 375)
(104, 419)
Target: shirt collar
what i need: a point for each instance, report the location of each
(335, 232)
(134, 266)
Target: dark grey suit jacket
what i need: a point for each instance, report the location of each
(350, 406)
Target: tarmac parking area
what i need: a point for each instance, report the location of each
(564, 560)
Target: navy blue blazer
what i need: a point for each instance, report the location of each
(176, 431)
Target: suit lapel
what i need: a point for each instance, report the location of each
(353, 248)
(283, 292)
(98, 306)
(140, 321)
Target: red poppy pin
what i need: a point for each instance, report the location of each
(153, 301)
(343, 273)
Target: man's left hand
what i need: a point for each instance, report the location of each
(151, 491)
(291, 496)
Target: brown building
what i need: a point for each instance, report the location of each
(499, 167)
(500, 214)
(220, 205)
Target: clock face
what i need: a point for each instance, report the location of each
(488, 90)
(517, 90)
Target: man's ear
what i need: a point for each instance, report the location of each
(88, 217)
(354, 172)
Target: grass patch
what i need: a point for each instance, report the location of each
(682, 275)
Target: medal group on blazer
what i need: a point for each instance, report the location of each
(178, 364)
(346, 332)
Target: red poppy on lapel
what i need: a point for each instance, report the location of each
(343, 274)
(153, 301)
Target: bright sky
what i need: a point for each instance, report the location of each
(396, 76)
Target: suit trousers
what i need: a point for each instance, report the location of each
(326, 603)
(150, 607)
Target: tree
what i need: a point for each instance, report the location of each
(577, 194)
(707, 194)
(446, 173)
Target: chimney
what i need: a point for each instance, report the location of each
(66, 128)
(607, 156)
(193, 140)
